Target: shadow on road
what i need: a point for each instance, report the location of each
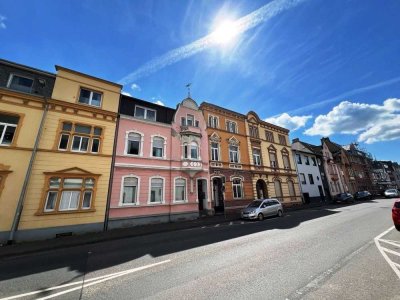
(116, 252)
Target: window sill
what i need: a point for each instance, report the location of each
(132, 155)
(129, 205)
(156, 157)
(44, 213)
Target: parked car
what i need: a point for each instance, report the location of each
(391, 193)
(363, 195)
(396, 214)
(343, 197)
(259, 209)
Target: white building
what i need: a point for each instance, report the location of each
(308, 171)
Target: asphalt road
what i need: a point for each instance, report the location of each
(327, 253)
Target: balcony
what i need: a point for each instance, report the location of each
(191, 167)
(190, 130)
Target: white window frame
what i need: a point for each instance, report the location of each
(141, 143)
(145, 113)
(163, 191)
(4, 132)
(198, 150)
(12, 76)
(259, 157)
(228, 126)
(218, 151)
(69, 203)
(91, 97)
(214, 121)
(238, 153)
(193, 119)
(164, 147)
(121, 196)
(185, 200)
(241, 187)
(80, 143)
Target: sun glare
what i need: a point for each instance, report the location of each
(225, 33)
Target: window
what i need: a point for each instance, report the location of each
(286, 161)
(69, 194)
(292, 192)
(298, 158)
(145, 113)
(190, 120)
(8, 126)
(158, 147)
(156, 190)
(90, 97)
(214, 151)
(213, 121)
(20, 83)
(269, 136)
(237, 188)
(180, 189)
(185, 150)
(85, 138)
(282, 139)
(194, 150)
(257, 157)
(130, 190)
(310, 179)
(314, 162)
(253, 131)
(272, 159)
(278, 188)
(231, 126)
(233, 154)
(307, 160)
(134, 144)
(302, 178)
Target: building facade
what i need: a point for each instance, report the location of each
(67, 186)
(308, 168)
(161, 166)
(230, 174)
(24, 93)
(272, 166)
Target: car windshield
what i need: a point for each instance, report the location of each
(255, 203)
(391, 191)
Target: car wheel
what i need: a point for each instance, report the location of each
(280, 213)
(260, 217)
(397, 227)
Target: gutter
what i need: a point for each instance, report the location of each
(20, 205)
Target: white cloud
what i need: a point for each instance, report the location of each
(371, 122)
(135, 87)
(243, 24)
(159, 102)
(126, 93)
(2, 23)
(286, 121)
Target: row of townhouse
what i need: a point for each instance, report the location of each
(329, 169)
(78, 156)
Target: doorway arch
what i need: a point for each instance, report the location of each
(261, 188)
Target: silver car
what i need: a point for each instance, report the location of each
(259, 209)
(391, 193)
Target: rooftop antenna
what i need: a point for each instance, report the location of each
(188, 87)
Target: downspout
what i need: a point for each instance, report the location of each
(171, 182)
(298, 177)
(22, 195)
(108, 204)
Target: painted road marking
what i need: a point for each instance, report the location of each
(383, 251)
(86, 283)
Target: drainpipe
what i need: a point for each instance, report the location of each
(298, 177)
(22, 195)
(108, 204)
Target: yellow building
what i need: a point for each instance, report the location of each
(68, 185)
(273, 169)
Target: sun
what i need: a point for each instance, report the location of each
(225, 33)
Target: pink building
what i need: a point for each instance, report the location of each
(161, 165)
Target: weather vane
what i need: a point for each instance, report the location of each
(188, 87)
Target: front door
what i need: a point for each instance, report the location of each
(202, 193)
(218, 194)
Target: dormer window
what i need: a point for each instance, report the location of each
(145, 113)
(20, 83)
(90, 97)
(189, 121)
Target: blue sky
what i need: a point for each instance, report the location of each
(328, 66)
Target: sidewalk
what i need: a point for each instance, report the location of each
(91, 238)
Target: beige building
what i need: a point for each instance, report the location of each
(271, 161)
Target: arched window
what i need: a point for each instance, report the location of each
(180, 190)
(292, 191)
(158, 147)
(237, 188)
(130, 188)
(134, 144)
(272, 157)
(285, 159)
(278, 188)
